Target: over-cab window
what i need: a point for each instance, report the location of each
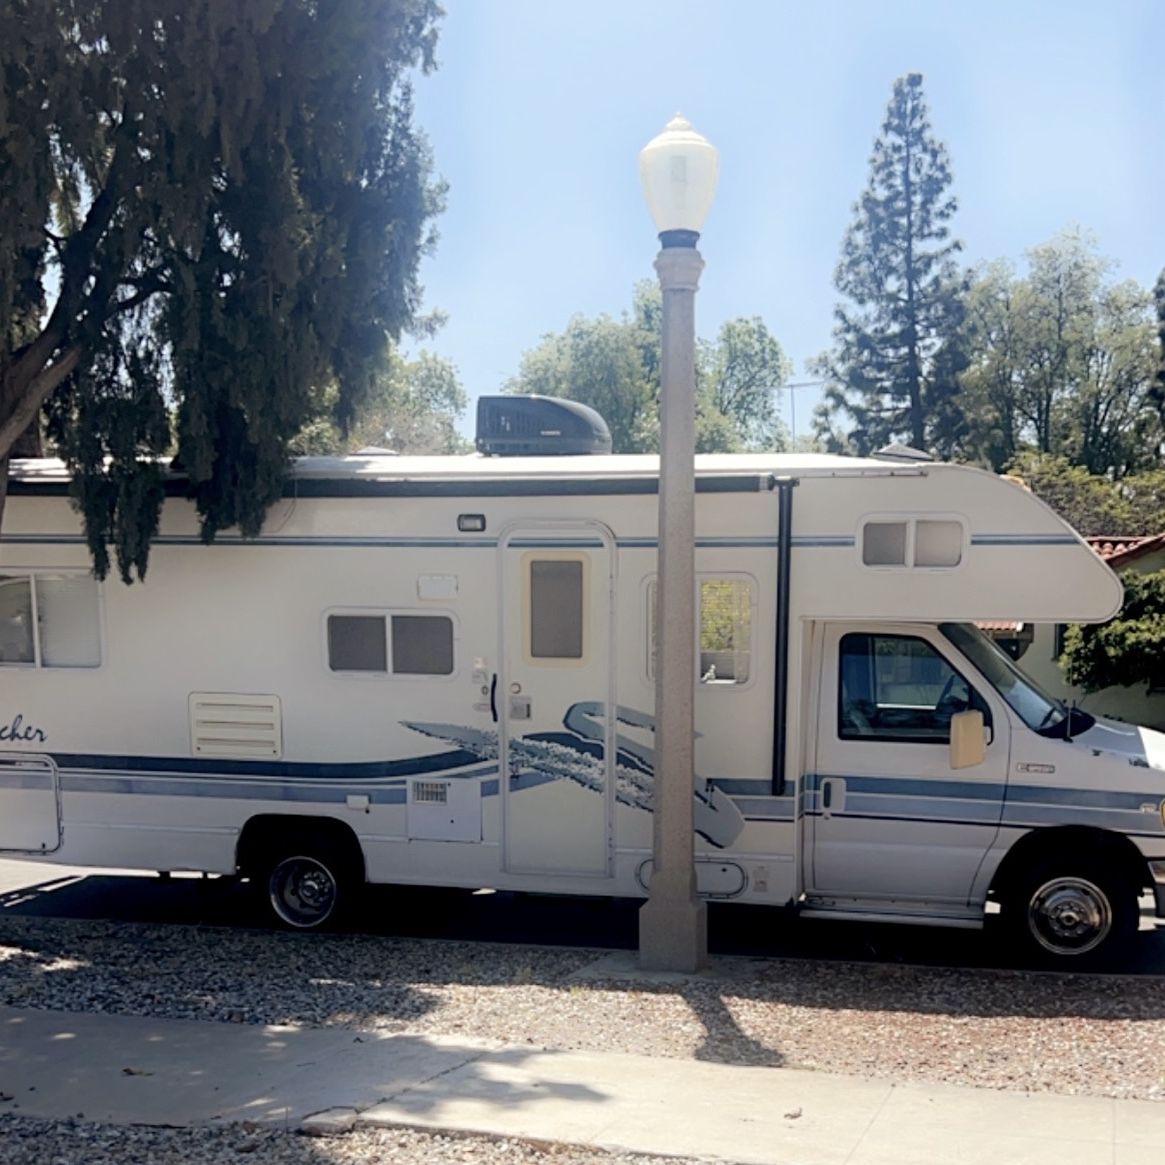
(390, 644)
(556, 590)
(726, 608)
(912, 542)
(898, 688)
(49, 620)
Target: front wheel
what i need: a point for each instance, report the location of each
(1073, 915)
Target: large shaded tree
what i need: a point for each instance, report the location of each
(211, 218)
(1061, 361)
(895, 361)
(613, 365)
(412, 407)
(1090, 503)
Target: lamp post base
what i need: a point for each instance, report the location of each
(673, 933)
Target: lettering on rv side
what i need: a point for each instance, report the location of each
(20, 732)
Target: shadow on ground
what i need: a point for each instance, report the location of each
(165, 961)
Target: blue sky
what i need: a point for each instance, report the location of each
(1054, 114)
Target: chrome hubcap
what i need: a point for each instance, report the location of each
(1069, 916)
(303, 891)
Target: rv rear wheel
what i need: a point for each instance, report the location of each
(1073, 914)
(306, 888)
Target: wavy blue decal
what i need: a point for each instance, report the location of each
(579, 755)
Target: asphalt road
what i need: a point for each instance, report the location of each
(47, 891)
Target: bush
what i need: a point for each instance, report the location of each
(1129, 649)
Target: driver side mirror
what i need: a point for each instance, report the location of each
(968, 739)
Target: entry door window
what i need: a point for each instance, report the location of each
(898, 688)
(557, 609)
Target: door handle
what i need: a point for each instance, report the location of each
(832, 796)
(493, 697)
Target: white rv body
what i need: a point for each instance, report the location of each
(499, 732)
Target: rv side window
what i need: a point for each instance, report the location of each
(725, 630)
(391, 644)
(422, 645)
(49, 620)
(556, 608)
(884, 544)
(357, 643)
(898, 688)
(921, 542)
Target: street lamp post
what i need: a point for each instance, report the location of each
(679, 170)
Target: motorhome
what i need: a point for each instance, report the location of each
(440, 671)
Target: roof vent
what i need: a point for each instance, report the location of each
(896, 451)
(541, 426)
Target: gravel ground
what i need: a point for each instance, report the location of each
(34, 1142)
(997, 1029)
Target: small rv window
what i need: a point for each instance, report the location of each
(422, 645)
(913, 542)
(884, 544)
(357, 643)
(68, 621)
(938, 543)
(725, 630)
(16, 621)
(556, 608)
(50, 620)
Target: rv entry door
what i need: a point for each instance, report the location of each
(556, 626)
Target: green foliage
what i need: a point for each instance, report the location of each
(725, 615)
(613, 365)
(1127, 651)
(896, 354)
(412, 407)
(1087, 502)
(604, 363)
(738, 375)
(230, 201)
(1157, 392)
(1061, 361)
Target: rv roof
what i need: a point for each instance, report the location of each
(389, 467)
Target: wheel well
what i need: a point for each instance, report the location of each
(268, 832)
(1070, 841)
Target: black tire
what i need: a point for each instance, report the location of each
(304, 884)
(1072, 914)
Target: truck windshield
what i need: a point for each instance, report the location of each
(1039, 711)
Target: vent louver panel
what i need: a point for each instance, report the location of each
(231, 725)
(430, 792)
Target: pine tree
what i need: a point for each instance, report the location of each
(211, 218)
(897, 353)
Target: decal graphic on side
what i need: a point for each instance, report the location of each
(578, 755)
(18, 731)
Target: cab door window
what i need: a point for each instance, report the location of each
(898, 688)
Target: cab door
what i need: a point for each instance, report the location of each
(889, 818)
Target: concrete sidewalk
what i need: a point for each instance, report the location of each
(130, 1070)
